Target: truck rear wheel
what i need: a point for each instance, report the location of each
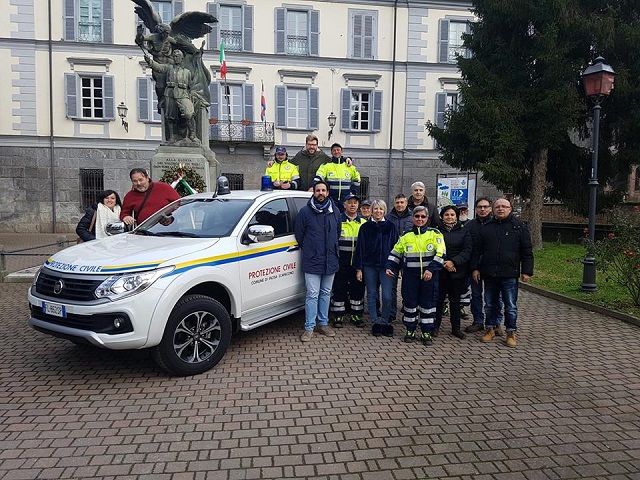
(196, 336)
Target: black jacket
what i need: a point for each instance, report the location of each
(503, 249)
(85, 222)
(434, 214)
(459, 245)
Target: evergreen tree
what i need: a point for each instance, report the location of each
(523, 121)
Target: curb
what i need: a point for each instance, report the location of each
(585, 305)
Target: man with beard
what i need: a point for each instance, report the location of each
(317, 232)
(145, 197)
(309, 160)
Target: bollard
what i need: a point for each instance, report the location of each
(3, 264)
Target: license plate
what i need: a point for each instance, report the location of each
(54, 309)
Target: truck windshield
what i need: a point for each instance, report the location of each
(196, 218)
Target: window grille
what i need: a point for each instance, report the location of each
(364, 188)
(236, 180)
(91, 184)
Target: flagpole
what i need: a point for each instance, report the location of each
(223, 73)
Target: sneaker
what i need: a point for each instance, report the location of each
(474, 327)
(409, 337)
(357, 321)
(489, 334)
(325, 330)
(511, 339)
(426, 339)
(338, 322)
(498, 331)
(463, 313)
(307, 335)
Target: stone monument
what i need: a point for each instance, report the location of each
(182, 87)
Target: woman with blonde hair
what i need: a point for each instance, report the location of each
(376, 238)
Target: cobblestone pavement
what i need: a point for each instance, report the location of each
(564, 404)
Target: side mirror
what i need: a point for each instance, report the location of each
(116, 228)
(260, 233)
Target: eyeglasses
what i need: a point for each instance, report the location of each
(419, 216)
(483, 206)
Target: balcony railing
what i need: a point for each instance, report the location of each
(241, 132)
(232, 40)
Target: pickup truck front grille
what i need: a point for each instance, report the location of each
(74, 287)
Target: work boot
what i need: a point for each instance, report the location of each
(498, 331)
(426, 339)
(357, 321)
(474, 327)
(463, 313)
(325, 330)
(489, 334)
(511, 339)
(409, 337)
(376, 330)
(338, 322)
(307, 335)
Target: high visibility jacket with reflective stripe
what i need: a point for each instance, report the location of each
(341, 179)
(284, 172)
(348, 238)
(421, 249)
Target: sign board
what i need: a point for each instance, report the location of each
(457, 188)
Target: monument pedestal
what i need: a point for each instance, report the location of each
(197, 157)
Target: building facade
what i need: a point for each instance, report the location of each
(378, 69)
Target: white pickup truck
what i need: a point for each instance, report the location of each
(181, 283)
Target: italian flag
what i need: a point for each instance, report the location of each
(223, 61)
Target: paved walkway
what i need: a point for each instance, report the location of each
(564, 404)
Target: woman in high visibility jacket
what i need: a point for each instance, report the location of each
(422, 251)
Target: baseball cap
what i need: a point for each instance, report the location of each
(350, 196)
(463, 206)
(281, 150)
(366, 202)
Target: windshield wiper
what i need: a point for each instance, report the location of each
(176, 234)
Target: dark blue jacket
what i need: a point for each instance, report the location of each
(375, 241)
(317, 234)
(459, 243)
(403, 221)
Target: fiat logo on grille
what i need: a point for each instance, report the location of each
(58, 286)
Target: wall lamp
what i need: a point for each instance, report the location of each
(332, 123)
(122, 113)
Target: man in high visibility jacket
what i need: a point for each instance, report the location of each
(422, 250)
(346, 286)
(341, 175)
(284, 174)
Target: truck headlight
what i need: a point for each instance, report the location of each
(122, 285)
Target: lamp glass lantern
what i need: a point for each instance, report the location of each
(122, 113)
(332, 123)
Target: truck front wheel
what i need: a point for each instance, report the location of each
(196, 336)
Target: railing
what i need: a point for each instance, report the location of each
(232, 40)
(241, 132)
(16, 260)
(297, 45)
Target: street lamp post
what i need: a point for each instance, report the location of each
(597, 80)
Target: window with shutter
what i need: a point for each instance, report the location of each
(363, 27)
(297, 31)
(361, 110)
(297, 108)
(90, 96)
(451, 44)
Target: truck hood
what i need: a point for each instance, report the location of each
(126, 253)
